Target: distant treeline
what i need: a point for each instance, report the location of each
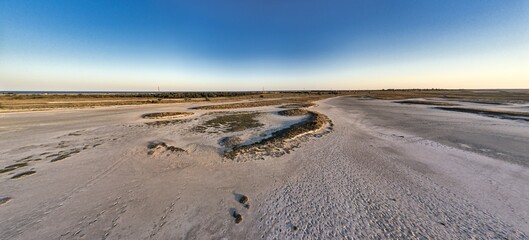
(160, 95)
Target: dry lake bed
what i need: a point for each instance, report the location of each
(343, 168)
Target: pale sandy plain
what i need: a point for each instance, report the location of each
(385, 171)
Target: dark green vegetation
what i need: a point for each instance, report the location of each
(293, 112)
(433, 103)
(152, 146)
(13, 167)
(232, 122)
(165, 115)
(313, 122)
(524, 116)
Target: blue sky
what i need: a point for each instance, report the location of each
(276, 44)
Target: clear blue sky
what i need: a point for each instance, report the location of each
(276, 44)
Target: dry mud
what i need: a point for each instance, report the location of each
(372, 169)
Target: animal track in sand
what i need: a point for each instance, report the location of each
(242, 199)
(237, 216)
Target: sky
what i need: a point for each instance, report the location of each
(211, 45)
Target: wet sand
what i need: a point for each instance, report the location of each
(387, 170)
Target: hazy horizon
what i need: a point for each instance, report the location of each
(247, 46)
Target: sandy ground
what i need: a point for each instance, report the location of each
(387, 170)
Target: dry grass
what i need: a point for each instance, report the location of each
(291, 102)
(297, 105)
(29, 102)
(40, 102)
(8, 104)
(160, 115)
(484, 96)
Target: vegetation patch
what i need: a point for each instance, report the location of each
(479, 101)
(63, 155)
(511, 115)
(160, 115)
(234, 122)
(23, 174)
(230, 141)
(275, 144)
(501, 96)
(297, 105)
(153, 146)
(293, 112)
(166, 122)
(432, 103)
(13, 167)
(303, 101)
